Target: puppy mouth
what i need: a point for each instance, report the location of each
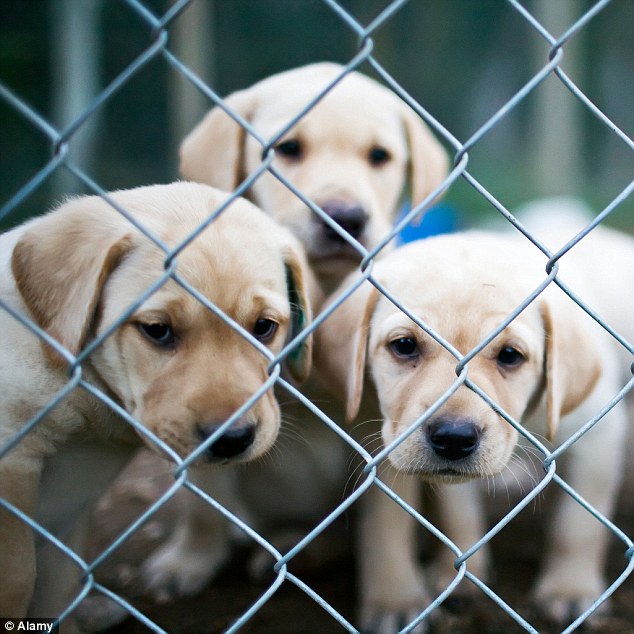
(432, 470)
(333, 265)
(451, 475)
(347, 222)
(343, 253)
(471, 468)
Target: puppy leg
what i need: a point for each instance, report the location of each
(199, 546)
(58, 577)
(572, 577)
(65, 505)
(392, 587)
(461, 517)
(17, 545)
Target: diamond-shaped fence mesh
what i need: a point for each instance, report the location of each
(527, 99)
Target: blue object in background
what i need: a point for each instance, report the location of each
(439, 219)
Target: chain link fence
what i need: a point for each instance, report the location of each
(368, 59)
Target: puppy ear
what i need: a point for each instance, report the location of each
(213, 152)
(341, 346)
(428, 159)
(302, 294)
(572, 363)
(61, 264)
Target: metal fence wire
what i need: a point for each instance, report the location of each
(366, 59)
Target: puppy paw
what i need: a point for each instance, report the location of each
(97, 612)
(173, 572)
(382, 620)
(390, 604)
(563, 601)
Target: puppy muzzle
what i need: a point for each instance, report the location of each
(352, 218)
(234, 442)
(453, 439)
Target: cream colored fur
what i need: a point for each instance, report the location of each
(172, 364)
(334, 165)
(463, 286)
(334, 168)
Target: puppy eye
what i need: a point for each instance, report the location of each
(378, 156)
(160, 334)
(404, 347)
(264, 329)
(291, 149)
(510, 357)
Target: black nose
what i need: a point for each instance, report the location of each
(232, 443)
(351, 218)
(453, 439)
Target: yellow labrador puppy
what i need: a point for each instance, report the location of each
(354, 154)
(552, 368)
(171, 363)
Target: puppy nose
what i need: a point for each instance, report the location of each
(453, 439)
(232, 443)
(351, 218)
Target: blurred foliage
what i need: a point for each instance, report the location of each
(461, 59)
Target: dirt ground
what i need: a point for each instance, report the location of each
(291, 611)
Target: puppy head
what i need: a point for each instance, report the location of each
(172, 362)
(463, 287)
(351, 154)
